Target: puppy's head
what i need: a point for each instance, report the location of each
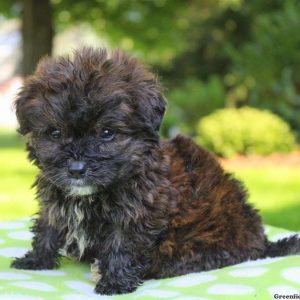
(90, 120)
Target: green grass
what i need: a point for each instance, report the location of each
(17, 176)
(275, 191)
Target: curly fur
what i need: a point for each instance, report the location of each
(145, 208)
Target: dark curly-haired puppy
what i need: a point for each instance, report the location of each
(111, 193)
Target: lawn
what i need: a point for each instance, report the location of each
(16, 196)
(275, 190)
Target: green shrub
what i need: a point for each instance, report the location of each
(244, 131)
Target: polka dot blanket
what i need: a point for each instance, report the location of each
(261, 279)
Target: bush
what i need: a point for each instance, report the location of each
(244, 131)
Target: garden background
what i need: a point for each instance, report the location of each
(230, 71)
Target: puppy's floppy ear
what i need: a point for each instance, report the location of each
(26, 101)
(151, 108)
(154, 104)
(25, 105)
(20, 105)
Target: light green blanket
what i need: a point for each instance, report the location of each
(260, 279)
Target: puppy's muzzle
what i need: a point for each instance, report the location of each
(77, 169)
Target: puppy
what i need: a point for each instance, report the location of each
(113, 194)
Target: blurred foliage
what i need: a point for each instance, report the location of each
(193, 100)
(211, 33)
(209, 54)
(245, 131)
(151, 28)
(10, 8)
(268, 67)
(253, 47)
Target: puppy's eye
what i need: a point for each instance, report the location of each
(55, 134)
(106, 134)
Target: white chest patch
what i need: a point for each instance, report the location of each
(76, 233)
(81, 190)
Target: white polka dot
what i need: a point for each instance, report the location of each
(157, 293)
(2, 241)
(280, 236)
(292, 274)
(88, 275)
(82, 297)
(11, 225)
(35, 285)
(80, 286)
(249, 272)
(230, 289)
(149, 284)
(76, 297)
(282, 290)
(258, 262)
(19, 297)
(13, 276)
(21, 235)
(191, 298)
(13, 252)
(191, 280)
(51, 273)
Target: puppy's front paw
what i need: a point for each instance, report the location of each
(95, 271)
(109, 288)
(31, 262)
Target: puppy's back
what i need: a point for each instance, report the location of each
(211, 205)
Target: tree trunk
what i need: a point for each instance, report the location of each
(37, 33)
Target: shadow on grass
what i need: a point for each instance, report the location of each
(9, 138)
(278, 217)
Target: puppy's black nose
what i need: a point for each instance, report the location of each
(77, 169)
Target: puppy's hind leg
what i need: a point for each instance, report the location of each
(203, 261)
